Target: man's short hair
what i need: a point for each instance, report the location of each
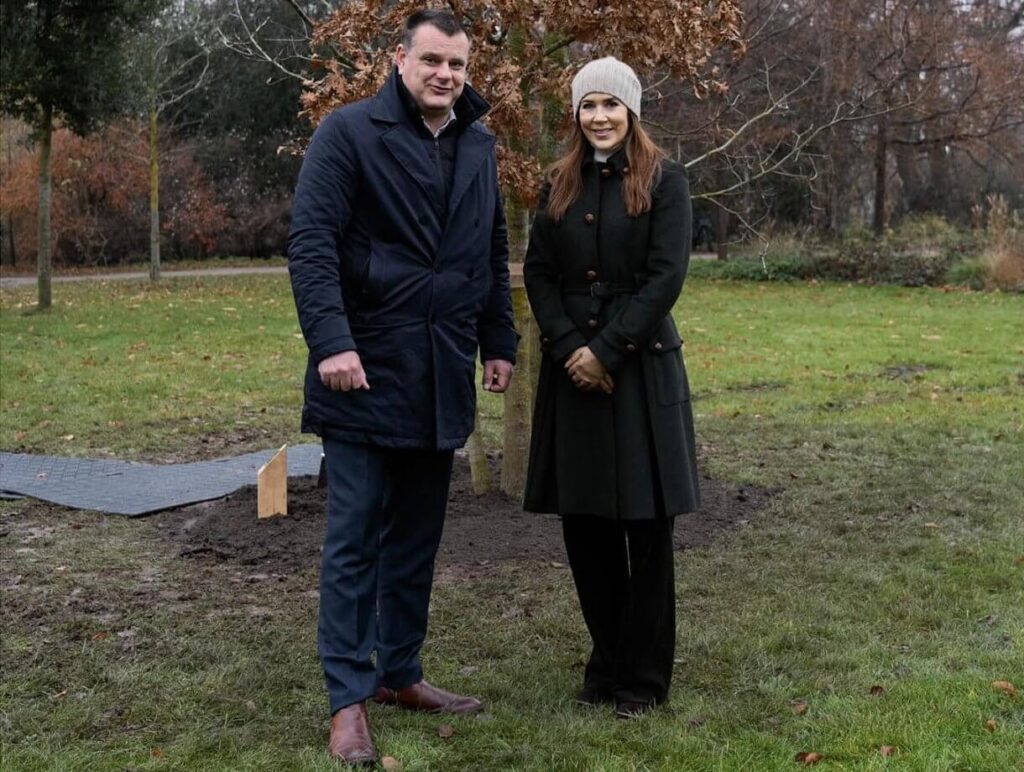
(443, 20)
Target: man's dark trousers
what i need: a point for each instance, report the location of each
(385, 513)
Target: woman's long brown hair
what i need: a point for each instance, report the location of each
(643, 159)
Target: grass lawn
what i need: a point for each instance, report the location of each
(874, 602)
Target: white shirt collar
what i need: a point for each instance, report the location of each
(449, 122)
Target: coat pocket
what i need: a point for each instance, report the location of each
(666, 351)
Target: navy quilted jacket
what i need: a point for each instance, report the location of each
(378, 269)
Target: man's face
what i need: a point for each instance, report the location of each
(434, 69)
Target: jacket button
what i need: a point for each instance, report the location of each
(630, 347)
(588, 218)
(625, 170)
(591, 275)
(606, 172)
(592, 323)
(545, 341)
(658, 346)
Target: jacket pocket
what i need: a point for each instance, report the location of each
(666, 351)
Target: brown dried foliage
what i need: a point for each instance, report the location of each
(525, 53)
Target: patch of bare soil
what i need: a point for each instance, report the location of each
(480, 531)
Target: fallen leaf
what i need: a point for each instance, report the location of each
(250, 706)
(886, 751)
(61, 694)
(799, 708)
(67, 437)
(156, 753)
(468, 670)
(1005, 687)
(695, 721)
(877, 691)
(445, 731)
(100, 636)
(808, 759)
(991, 725)
(932, 525)
(391, 764)
(1019, 561)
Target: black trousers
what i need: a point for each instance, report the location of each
(625, 579)
(385, 513)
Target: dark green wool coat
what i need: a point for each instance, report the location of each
(602, 278)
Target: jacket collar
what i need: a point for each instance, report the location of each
(394, 104)
(616, 161)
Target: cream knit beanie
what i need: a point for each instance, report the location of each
(607, 76)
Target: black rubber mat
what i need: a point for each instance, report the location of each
(128, 488)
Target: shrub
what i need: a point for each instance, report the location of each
(100, 204)
(971, 272)
(751, 269)
(1004, 258)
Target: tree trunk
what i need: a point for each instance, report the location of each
(722, 233)
(8, 227)
(519, 397)
(518, 217)
(478, 469)
(881, 154)
(518, 401)
(914, 193)
(44, 260)
(939, 179)
(154, 197)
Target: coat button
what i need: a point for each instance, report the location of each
(606, 172)
(591, 275)
(630, 348)
(588, 218)
(658, 346)
(625, 170)
(592, 323)
(545, 341)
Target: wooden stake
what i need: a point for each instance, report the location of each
(272, 486)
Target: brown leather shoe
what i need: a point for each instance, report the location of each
(350, 736)
(423, 696)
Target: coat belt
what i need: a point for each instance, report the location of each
(599, 292)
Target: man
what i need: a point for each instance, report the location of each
(398, 261)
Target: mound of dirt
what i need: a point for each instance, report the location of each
(480, 531)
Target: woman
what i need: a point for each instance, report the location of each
(612, 449)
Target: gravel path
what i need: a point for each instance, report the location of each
(8, 282)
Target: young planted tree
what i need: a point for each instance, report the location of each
(525, 53)
(524, 56)
(64, 61)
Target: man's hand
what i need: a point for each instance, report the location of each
(497, 374)
(587, 371)
(343, 372)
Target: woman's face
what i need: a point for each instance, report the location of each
(604, 120)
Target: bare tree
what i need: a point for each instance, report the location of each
(175, 56)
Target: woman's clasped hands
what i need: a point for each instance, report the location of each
(587, 372)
